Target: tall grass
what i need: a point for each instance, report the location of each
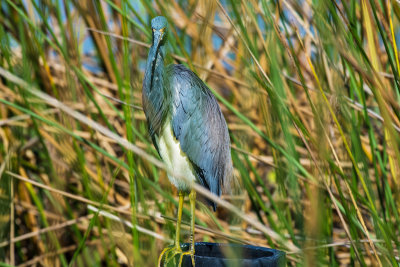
(311, 94)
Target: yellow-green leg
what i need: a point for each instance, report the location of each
(176, 249)
(171, 252)
(192, 198)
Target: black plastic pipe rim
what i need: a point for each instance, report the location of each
(231, 255)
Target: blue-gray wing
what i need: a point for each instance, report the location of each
(200, 127)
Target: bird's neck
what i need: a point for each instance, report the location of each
(153, 77)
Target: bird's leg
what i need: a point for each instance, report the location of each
(192, 198)
(171, 252)
(178, 223)
(176, 249)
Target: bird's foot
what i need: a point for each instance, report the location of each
(191, 253)
(170, 254)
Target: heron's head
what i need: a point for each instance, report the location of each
(159, 27)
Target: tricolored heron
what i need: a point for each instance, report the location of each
(187, 128)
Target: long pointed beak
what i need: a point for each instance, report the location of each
(151, 60)
(157, 38)
(156, 45)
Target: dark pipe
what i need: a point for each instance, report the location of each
(231, 255)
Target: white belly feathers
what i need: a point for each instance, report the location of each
(175, 159)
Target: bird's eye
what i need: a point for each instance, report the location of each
(162, 30)
(154, 30)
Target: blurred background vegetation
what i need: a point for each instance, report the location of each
(310, 91)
